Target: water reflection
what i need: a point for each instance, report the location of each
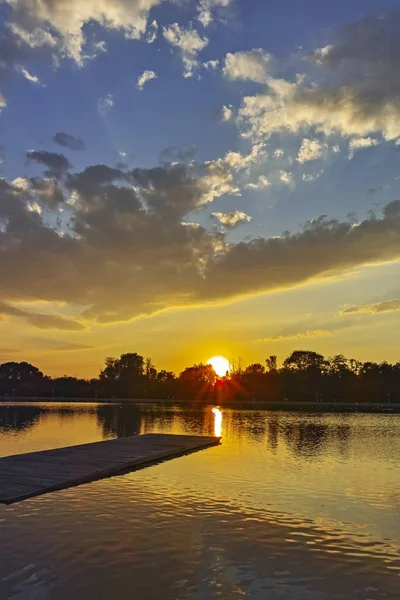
(294, 506)
(217, 421)
(18, 417)
(119, 421)
(304, 435)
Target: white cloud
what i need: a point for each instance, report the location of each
(21, 182)
(216, 181)
(144, 78)
(360, 143)
(238, 161)
(59, 24)
(356, 94)
(28, 76)
(226, 113)
(100, 46)
(152, 32)
(279, 153)
(310, 150)
(211, 65)
(3, 102)
(286, 177)
(34, 207)
(231, 219)
(254, 65)
(189, 42)
(262, 183)
(105, 104)
(206, 8)
(336, 149)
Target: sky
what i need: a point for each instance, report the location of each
(189, 178)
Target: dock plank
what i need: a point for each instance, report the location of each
(23, 476)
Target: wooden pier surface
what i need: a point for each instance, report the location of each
(25, 475)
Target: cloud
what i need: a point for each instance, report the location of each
(262, 184)
(310, 150)
(254, 65)
(226, 113)
(59, 25)
(313, 333)
(144, 78)
(68, 141)
(104, 105)
(351, 88)
(125, 249)
(57, 164)
(41, 320)
(373, 309)
(72, 348)
(152, 32)
(190, 44)
(207, 7)
(211, 65)
(3, 102)
(307, 177)
(5, 351)
(28, 76)
(360, 143)
(286, 177)
(232, 219)
(238, 161)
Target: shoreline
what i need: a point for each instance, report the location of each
(367, 407)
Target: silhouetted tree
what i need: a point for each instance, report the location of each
(125, 376)
(304, 376)
(19, 379)
(197, 382)
(272, 363)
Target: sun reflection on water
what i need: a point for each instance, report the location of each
(217, 421)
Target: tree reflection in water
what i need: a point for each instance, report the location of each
(18, 417)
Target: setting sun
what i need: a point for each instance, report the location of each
(220, 364)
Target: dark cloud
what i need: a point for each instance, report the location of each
(68, 141)
(57, 164)
(130, 248)
(372, 40)
(41, 320)
(92, 177)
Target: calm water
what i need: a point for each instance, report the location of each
(291, 506)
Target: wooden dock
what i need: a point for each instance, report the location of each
(25, 475)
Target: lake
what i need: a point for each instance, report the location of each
(291, 506)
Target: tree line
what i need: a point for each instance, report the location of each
(304, 376)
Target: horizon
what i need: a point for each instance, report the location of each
(198, 179)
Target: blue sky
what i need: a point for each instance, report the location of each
(255, 118)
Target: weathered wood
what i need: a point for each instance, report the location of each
(25, 475)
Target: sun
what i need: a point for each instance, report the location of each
(220, 364)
